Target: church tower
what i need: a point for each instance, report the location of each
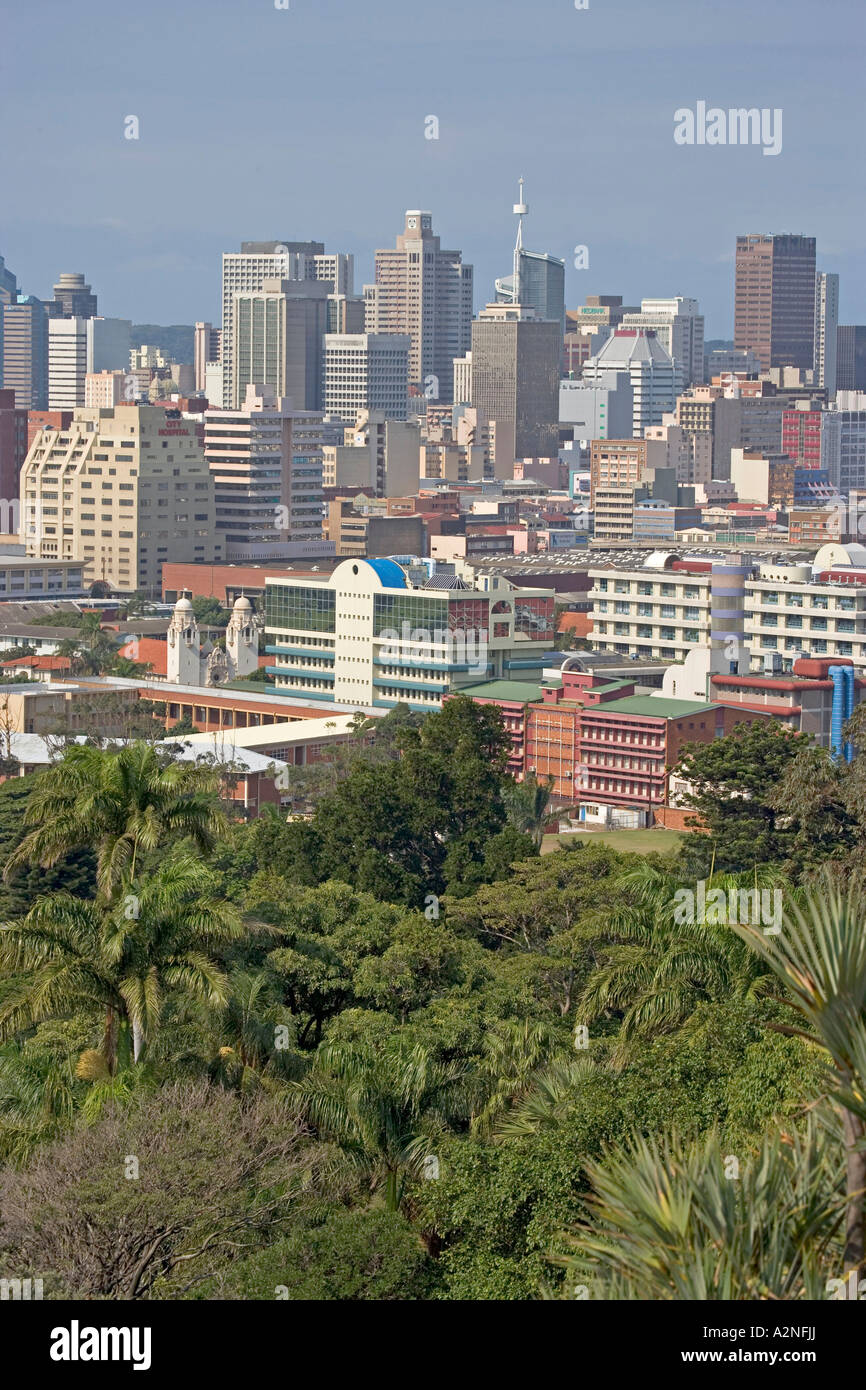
(183, 661)
(242, 639)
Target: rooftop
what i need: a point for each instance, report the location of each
(517, 692)
(654, 705)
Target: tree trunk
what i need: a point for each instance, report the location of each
(109, 1040)
(137, 1041)
(392, 1198)
(855, 1186)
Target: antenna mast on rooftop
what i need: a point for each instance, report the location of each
(521, 210)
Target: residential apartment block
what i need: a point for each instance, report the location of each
(747, 610)
(121, 490)
(267, 483)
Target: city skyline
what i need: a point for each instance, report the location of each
(591, 129)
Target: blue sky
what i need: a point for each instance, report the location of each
(309, 123)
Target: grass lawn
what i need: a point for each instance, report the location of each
(630, 841)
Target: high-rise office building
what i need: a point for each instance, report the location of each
(277, 336)
(206, 348)
(123, 490)
(774, 299)
(267, 481)
(844, 442)
(537, 280)
(8, 284)
(826, 329)
(13, 450)
(426, 293)
(656, 379)
(346, 313)
(24, 351)
(515, 382)
(679, 327)
(72, 298)
(542, 280)
(366, 371)
(851, 357)
(77, 346)
(67, 362)
(257, 261)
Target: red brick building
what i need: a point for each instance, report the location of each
(604, 748)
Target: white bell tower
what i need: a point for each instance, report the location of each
(242, 639)
(183, 660)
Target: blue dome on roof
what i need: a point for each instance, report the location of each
(389, 572)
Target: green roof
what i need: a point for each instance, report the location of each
(611, 685)
(653, 704)
(521, 692)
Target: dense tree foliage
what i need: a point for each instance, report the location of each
(390, 1051)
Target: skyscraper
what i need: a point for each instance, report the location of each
(257, 261)
(851, 357)
(8, 284)
(24, 351)
(826, 325)
(656, 379)
(77, 346)
(277, 336)
(537, 279)
(72, 298)
(425, 292)
(515, 382)
(366, 371)
(774, 299)
(679, 327)
(267, 478)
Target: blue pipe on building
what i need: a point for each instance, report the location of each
(842, 709)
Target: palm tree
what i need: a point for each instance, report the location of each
(75, 953)
(513, 1050)
(820, 958)
(655, 969)
(123, 804)
(548, 1098)
(383, 1108)
(527, 806)
(673, 1219)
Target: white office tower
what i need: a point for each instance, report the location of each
(826, 324)
(655, 378)
(366, 371)
(679, 326)
(78, 346)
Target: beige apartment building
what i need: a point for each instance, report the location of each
(426, 292)
(123, 490)
(662, 614)
(618, 463)
(377, 454)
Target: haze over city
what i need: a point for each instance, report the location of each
(309, 123)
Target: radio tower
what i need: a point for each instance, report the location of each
(520, 210)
